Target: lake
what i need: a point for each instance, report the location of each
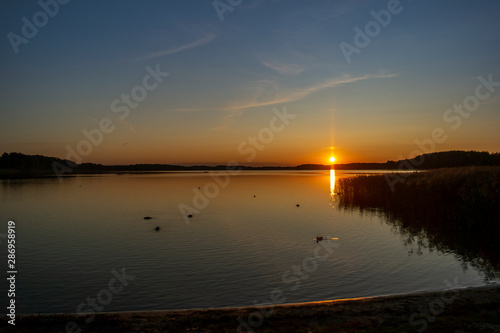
(247, 243)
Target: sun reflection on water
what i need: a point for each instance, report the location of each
(332, 187)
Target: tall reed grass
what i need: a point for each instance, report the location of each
(455, 209)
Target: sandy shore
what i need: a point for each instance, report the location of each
(457, 311)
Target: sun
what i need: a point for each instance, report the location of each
(332, 159)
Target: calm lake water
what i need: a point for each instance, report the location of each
(234, 252)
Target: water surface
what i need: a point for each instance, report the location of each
(250, 239)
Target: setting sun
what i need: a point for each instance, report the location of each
(332, 159)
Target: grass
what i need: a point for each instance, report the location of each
(452, 209)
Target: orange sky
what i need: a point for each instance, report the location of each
(180, 86)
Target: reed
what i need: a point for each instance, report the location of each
(452, 209)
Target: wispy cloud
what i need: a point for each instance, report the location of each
(282, 67)
(33, 143)
(227, 119)
(126, 123)
(199, 42)
(258, 3)
(267, 93)
(188, 109)
(300, 93)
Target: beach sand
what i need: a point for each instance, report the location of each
(457, 310)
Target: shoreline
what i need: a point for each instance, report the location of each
(469, 309)
(247, 307)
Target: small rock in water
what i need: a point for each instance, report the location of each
(147, 217)
(254, 195)
(190, 215)
(298, 205)
(157, 228)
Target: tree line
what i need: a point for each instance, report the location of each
(14, 165)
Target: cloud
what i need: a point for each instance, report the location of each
(188, 109)
(126, 123)
(41, 143)
(268, 92)
(227, 119)
(282, 67)
(258, 3)
(300, 93)
(199, 42)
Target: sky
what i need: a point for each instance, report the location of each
(253, 81)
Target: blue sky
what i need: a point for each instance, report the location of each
(226, 77)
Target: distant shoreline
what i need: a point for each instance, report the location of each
(18, 175)
(18, 165)
(468, 309)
